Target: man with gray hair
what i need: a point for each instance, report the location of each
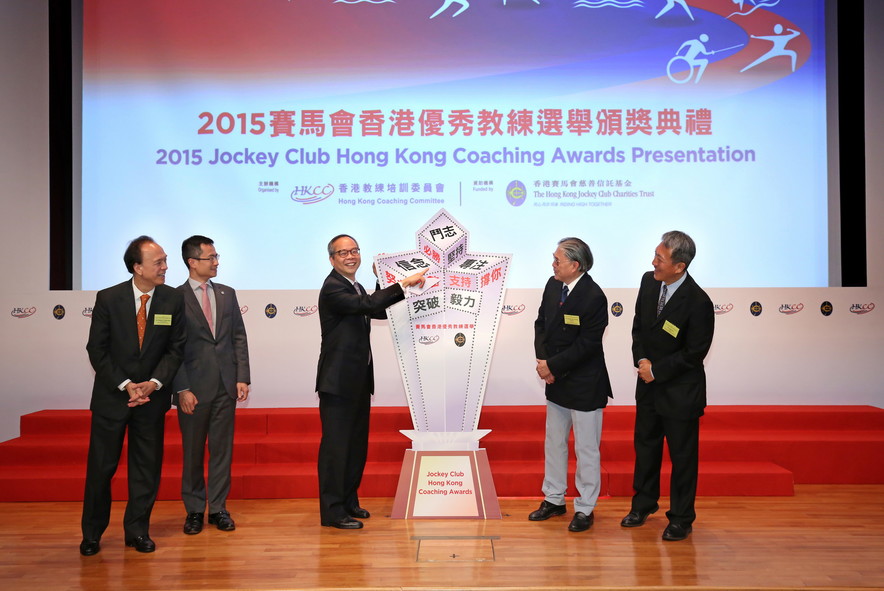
(571, 361)
(671, 335)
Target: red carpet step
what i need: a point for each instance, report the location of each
(744, 450)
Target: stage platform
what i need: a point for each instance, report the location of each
(744, 450)
(825, 537)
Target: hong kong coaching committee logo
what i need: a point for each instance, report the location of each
(306, 195)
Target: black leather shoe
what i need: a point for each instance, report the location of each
(222, 520)
(142, 544)
(358, 512)
(193, 524)
(675, 532)
(581, 521)
(89, 547)
(547, 510)
(635, 518)
(344, 523)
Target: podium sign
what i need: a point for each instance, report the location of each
(444, 335)
(440, 484)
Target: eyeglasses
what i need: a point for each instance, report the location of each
(343, 253)
(214, 258)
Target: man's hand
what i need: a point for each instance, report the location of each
(644, 371)
(544, 372)
(242, 391)
(187, 401)
(416, 279)
(137, 396)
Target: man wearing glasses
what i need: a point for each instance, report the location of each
(345, 379)
(213, 377)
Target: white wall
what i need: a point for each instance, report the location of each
(802, 358)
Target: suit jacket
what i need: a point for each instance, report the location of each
(114, 353)
(212, 363)
(676, 342)
(572, 347)
(344, 316)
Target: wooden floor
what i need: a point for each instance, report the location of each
(825, 537)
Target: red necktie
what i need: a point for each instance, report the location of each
(207, 306)
(141, 318)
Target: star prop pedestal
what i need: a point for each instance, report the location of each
(444, 335)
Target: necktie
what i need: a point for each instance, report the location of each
(662, 301)
(564, 295)
(207, 306)
(141, 318)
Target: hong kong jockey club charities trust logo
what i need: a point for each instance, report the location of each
(617, 309)
(826, 308)
(513, 310)
(516, 193)
(58, 312)
(723, 308)
(791, 308)
(305, 310)
(755, 308)
(270, 311)
(23, 312)
(87, 312)
(428, 339)
(307, 195)
(862, 308)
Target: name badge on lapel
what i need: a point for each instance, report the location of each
(572, 319)
(162, 320)
(670, 328)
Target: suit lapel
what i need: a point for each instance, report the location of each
(574, 297)
(195, 307)
(675, 301)
(155, 303)
(220, 300)
(125, 304)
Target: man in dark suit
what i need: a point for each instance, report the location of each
(345, 380)
(213, 376)
(135, 345)
(568, 346)
(671, 335)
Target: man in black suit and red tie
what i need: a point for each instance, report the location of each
(671, 335)
(135, 345)
(345, 380)
(570, 359)
(213, 377)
